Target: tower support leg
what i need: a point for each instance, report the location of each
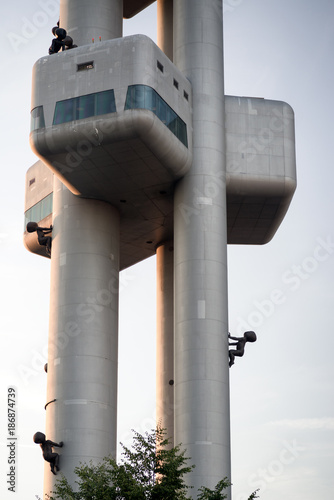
(165, 339)
(165, 26)
(86, 21)
(202, 420)
(83, 331)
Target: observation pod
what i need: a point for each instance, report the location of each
(260, 167)
(117, 129)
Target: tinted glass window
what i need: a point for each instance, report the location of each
(39, 211)
(162, 110)
(105, 102)
(84, 106)
(151, 99)
(144, 97)
(37, 118)
(64, 112)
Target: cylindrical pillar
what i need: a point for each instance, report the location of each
(165, 27)
(165, 339)
(202, 421)
(81, 406)
(85, 20)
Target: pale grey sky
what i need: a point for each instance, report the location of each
(282, 410)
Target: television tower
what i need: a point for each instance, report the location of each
(140, 152)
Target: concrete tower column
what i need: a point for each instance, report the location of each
(165, 27)
(81, 406)
(87, 19)
(202, 422)
(165, 339)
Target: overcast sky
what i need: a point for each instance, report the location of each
(282, 417)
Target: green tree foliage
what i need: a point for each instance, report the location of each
(218, 494)
(254, 495)
(150, 470)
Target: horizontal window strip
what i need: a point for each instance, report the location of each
(85, 106)
(144, 97)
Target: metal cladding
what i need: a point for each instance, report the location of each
(142, 153)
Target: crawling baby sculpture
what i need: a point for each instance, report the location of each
(48, 454)
(240, 344)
